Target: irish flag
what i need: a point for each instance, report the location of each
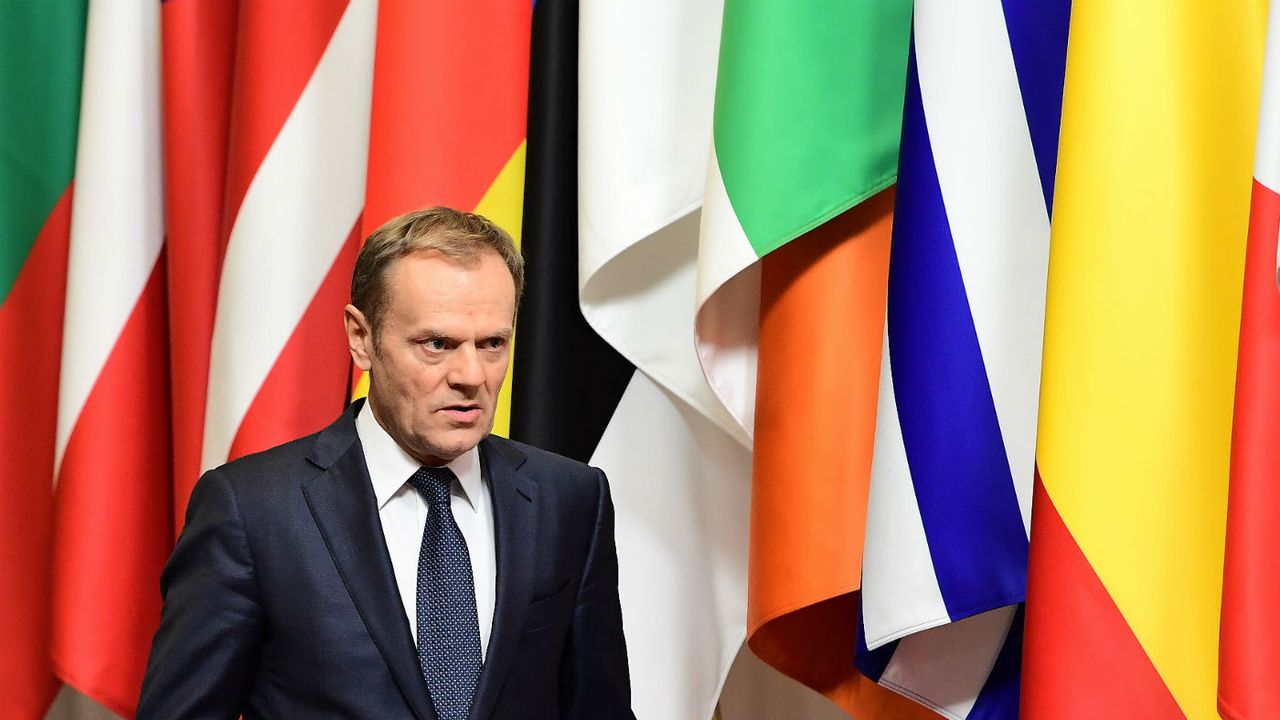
(792, 270)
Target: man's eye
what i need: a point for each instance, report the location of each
(494, 343)
(434, 345)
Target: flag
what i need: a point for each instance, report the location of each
(41, 48)
(1159, 113)
(808, 113)
(679, 480)
(807, 119)
(450, 97)
(113, 511)
(197, 62)
(944, 574)
(298, 151)
(566, 379)
(1248, 659)
(808, 506)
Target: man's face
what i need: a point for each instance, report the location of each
(445, 343)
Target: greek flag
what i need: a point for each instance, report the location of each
(944, 575)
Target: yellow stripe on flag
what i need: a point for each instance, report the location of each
(502, 203)
(1152, 204)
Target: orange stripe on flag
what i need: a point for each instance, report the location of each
(822, 311)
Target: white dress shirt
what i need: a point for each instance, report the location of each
(403, 513)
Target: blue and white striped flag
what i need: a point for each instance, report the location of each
(944, 573)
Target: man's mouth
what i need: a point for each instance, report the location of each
(462, 412)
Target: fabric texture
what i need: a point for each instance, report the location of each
(448, 629)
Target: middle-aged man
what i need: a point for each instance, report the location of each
(402, 562)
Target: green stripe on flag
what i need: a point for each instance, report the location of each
(808, 109)
(41, 53)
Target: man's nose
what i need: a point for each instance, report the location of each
(466, 369)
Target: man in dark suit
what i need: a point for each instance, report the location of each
(401, 563)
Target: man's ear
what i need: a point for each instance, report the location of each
(359, 337)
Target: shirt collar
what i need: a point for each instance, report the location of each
(390, 467)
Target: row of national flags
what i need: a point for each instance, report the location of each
(930, 347)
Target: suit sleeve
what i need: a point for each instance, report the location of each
(205, 653)
(594, 679)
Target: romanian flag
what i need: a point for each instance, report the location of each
(944, 570)
(1150, 214)
(1249, 656)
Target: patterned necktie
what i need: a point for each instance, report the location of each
(448, 630)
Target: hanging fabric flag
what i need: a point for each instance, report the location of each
(1151, 208)
(1248, 662)
(197, 52)
(679, 481)
(946, 548)
(807, 121)
(299, 139)
(789, 155)
(41, 56)
(566, 379)
(113, 500)
(431, 142)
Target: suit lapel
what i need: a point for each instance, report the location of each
(515, 515)
(342, 502)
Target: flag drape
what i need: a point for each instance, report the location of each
(450, 98)
(41, 58)
(946, 548)
(113, 498)
(679, 481)
(792, 283)
(1248, 656)
(1149, 222)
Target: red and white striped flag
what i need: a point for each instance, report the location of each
(112, 466)
(1249, 650)
(296, 179)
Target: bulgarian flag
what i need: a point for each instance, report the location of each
(41, 54)
(792, 272)
(1249, 661)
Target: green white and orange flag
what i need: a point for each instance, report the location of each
(1147, 253)
(792, 270)
(808, 114)
(41, 53)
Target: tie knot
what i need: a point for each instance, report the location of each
(434, 484)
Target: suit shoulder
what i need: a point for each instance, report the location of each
(287, 461)
(546, 463)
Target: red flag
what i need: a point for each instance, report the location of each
(1249, 651)
(113, 501)
(198, 53)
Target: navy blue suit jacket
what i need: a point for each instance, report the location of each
(280, 600)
